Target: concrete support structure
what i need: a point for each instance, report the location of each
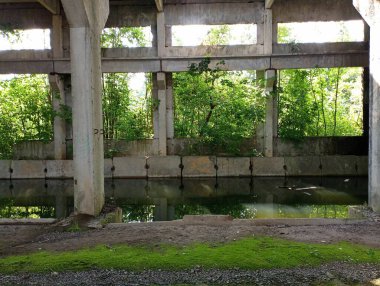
(87, 19)
(162, 132)
(370, 11)
(169, 107)
(59, 128)
(162, 91)
(270, 129)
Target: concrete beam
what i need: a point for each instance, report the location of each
(52, 5)
(41, 62)
(214, 14)
(159, 5)
(269, 4)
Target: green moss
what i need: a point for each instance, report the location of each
(250, 253)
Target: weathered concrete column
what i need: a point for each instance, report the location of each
(365, 90)
(162, 132)
(56, 87)
(271, 113)
(169, 106)
(370, 11)
(169, 91)
(87, 19)
(59, 125)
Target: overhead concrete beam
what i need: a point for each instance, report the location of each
(24, 64)
(269, 4)
(159, 5)
(52, 5)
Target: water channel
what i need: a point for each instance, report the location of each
(169, 199)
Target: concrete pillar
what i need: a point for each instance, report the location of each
(169, 90)
(169, 106)
(370, 11)
(374, 119)
(161, 34)
(162, 131)
(87, 19)
(155, 106)
(365, 82)
(59, 128)
(268, 32)
(271, 113)
(58, 97)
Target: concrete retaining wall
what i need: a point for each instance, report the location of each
(194, 166)
(310, 146)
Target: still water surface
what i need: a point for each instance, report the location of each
(168, 199)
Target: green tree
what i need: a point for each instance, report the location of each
(216, 106)
(26, 111)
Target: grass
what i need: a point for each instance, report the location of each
(249, 253)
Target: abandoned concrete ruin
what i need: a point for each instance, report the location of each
(75, 63)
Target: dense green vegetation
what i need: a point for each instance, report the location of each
(221, 108)
(25, 111)
(320, 102)
(249, 253)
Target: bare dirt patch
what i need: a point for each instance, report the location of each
(25, 239)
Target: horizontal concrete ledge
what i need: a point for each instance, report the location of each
(297, 221)
(27, 221)
(193, 166)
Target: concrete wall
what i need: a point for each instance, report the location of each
(310, 146)
(193, 166)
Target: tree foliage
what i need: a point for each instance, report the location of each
(320, 102)
(217, 106)
(26, 111)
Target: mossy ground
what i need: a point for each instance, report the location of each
(248, 253)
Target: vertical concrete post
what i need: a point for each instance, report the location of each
(169, 90)
(374, 123)
(59, 124)
(87, 19)
(370, 11)
(162, 132)
(365, 90)
(155, 106)
(271, 113)
(169, 106)
(268, 32)
(161, 34)
(56, 87)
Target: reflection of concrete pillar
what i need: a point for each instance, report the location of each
(60, 206)
(161, 209)
(271, 113)
(370, 11)
(87, 19)
(171, 212)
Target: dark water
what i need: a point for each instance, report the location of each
(168, 199)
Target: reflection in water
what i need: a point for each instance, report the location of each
(168, 199)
